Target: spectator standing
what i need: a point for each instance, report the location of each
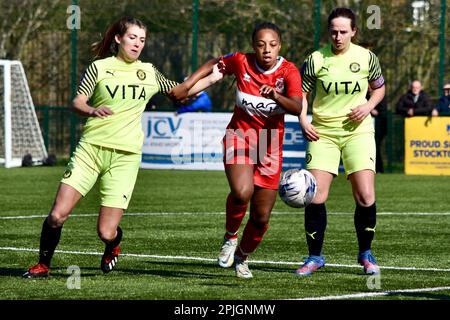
(442, 107)
(415, 102)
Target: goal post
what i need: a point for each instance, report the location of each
(20, 133)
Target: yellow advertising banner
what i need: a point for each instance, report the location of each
(427, 145)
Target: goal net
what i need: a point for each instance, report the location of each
(20, 134)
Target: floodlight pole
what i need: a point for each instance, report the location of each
(74, 60)
(442, 45)
(317, 5)
(194, 35)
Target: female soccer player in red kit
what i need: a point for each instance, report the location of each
(268, 86)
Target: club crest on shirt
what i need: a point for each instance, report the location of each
(279, 85)
(68, 171)
(355, 67)
(246, 77)
(308, 157)
(67, 174)
(141, 74)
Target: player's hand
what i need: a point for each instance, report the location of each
(101, 112)
(217, 72)
(221, 66)
(309, 131)
(374, 112)
(359, 113)
(179, 92)
(268, 92)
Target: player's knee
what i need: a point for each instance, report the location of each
(56, 218)
(365, 199)
(260, 222)
(260, 216)
(321, 196)
(243, 194)
(366, 202)
(106, 235)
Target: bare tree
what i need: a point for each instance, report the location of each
(20, 20)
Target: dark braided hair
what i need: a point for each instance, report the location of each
(266, 25)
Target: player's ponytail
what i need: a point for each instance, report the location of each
(108, 46)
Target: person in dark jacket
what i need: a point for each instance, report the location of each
(415, 102)
(442, 107)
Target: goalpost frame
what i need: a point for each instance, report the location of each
(7, 103)
(7, 106)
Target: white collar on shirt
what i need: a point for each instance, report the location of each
(279, 62)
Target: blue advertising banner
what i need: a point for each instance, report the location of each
(193, 141)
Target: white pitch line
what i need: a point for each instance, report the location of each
(374, 294)
(92, 253)
(336, 297)
(23, 217)
(223, 213)
(154, 256)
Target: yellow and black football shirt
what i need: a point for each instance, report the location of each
(341, 83)
(125, 88)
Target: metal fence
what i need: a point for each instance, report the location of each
(57, 126)
(394, 145)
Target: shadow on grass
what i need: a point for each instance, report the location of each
(253, 267)
(215, 266)
(174, 269)
(12, 272)
(61, 273)
(324, 270)
(56, 273)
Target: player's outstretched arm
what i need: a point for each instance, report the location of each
(206, 82)
(181, 91)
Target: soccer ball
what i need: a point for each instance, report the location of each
(297, 188)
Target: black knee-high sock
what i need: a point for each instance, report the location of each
(111, 245)
(49, 240)
(365, 222)
(315, 225)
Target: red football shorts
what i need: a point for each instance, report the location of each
(262, 149)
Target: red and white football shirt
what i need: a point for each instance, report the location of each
(255, 132)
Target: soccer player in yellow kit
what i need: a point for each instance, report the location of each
(341, 128)
(117, 86)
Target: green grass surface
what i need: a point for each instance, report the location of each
(183, 216)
